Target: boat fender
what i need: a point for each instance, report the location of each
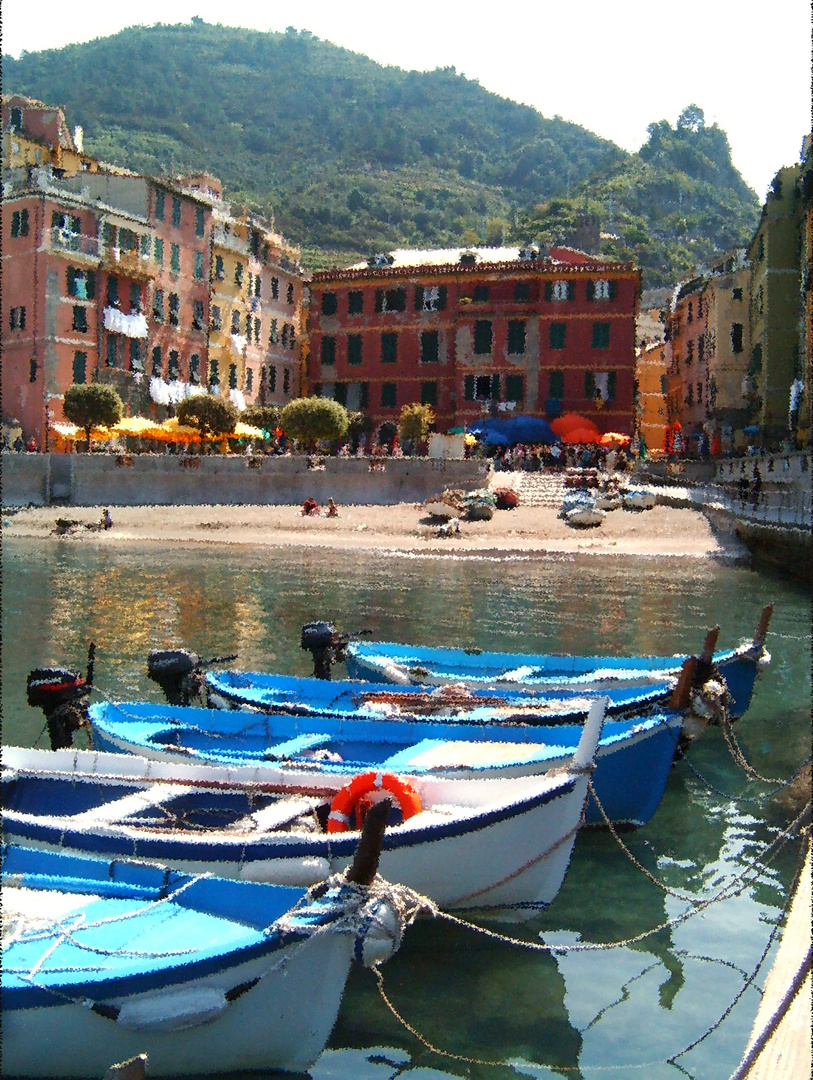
(380, 933)
(349, 797)
(391, 673)
(300, 873)
(173, 1011)
(763, 663)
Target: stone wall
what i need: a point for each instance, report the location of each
(168, 480)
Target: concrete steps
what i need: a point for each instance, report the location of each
(534, 488)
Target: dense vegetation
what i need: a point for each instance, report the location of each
(354, 157)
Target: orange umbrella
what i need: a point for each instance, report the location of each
(581, 435)
(614, 438)
(570, 422)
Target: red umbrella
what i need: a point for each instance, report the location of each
(582, 435)
(571, 422)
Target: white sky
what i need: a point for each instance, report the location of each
(611, 67)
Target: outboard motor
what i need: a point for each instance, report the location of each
(61, 693)
(321, 639)
(178, 672)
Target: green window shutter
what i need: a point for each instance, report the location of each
(613, 290)
(379, 299)
(548, 290)
(513, 388)
(429, 393)
(495, 387)
(571, 290)
(419, 297)
(468, 388)
(441, 298)
(589, 385)
(591, 290)
(71, 281)
(556, 384)
(364, 395)
(611, 386)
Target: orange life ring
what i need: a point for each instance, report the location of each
(349, 797)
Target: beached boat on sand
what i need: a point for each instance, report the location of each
(500, 847)
(107, 960)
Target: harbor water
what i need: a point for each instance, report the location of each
(633, 1011)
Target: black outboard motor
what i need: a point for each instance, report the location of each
(321, 639)
(178, 672)
(61, 693)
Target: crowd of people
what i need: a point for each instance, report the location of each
(533, 458)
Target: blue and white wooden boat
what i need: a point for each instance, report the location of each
(106, 960)
(423, 665)
(499, 847)
(632, 762)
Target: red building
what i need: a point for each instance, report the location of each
(477, 331)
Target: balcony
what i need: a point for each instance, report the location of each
(74, 244)
(131, 264)
(223, 239)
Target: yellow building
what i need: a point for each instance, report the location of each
(651, 364)
(38, 134)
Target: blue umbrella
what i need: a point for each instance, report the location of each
(530, 429)
(496, 437)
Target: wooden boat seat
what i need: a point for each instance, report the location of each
(443, 754)
(291, 747)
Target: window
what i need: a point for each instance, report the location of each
(199, 266)
(557, 335)
(159, 204)
(482, 337)
(286, 382)
(249, 380)
(194, 369)
(284, 337)
(174, 309)
(390, 300)
(273, 337)
(80, 366)
(599, 385)
(158, 251)
(112, 290)
(214, 373)
(19, 223)
(16, 118)
(328, 351)
(199, 221)
(158, 305)
(430, 298)
(388, 395)
(217, 323)
(17, 318)
(522, 292)
(135, 298)
(355, 302)
(430, 349)
(389, 348)
(329, 303)
(81, 283)
(271, 376)
(248, 327)
(112, 350)
(176, 211)
(80, 319)
(220, 271)
(32, 370)
(601, 335)
(480, 294)
(601, 289)
(354, 348)
(699, 393)
(559, 290)
(291, 337)
(689, 353)
(340, 392)
(289, 294)
(157, 362)
(736, 337)
(198, 317)
(238, 274)
(258, 286)
(136, 357)
(514, 389)
(689, 313)
(232, 376)
(257, 331)
(556, 384)
(736, 294)
(468, 388)
(274, 288)
(173, 366)
(235, 322)
(429, 393)
(516, 337)
(701, 348)
(175, 258)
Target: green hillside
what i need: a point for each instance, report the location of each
(354, 157)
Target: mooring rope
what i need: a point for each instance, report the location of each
(739, 757)
(745, 798)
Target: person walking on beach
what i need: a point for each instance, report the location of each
(756, 487)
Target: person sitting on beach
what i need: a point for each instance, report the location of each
(332, 509)
(310, 508)
(106, 521)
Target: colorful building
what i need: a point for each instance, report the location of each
(477, 332)
(651, 368)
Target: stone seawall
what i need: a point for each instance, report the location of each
(174, 480)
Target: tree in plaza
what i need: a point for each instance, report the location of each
(311, 420)
(414, 423)
(359, 425)
(90, 405)
(262, 416)
(214, 417)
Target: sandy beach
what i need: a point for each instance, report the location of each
(404, 527)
